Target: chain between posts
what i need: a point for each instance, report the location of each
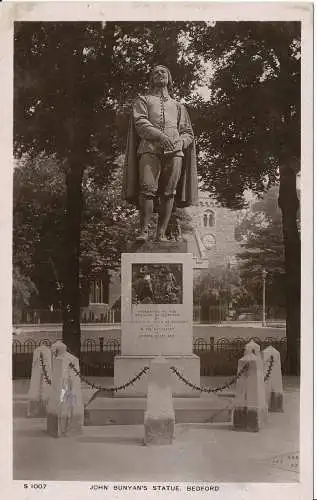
(146, 368)
(92, 385)
(45, 374)
(224, 386)
(109, 389)
(210, 389)
(269, 369)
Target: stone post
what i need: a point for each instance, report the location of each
(58, 348)
(252, 347)
(38, 394)
(65, 412)
(250, 412)
(159, 419)
(274, 384)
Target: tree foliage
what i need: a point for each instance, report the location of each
(38, 212)
(22, 290)
(74, 83)
(260, 232)
(217, 281)
(249, 130)
(251, 124)
(38, 215)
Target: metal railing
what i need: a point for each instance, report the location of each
(220, 356)
(217, 356)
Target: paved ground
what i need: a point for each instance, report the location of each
(201, 452)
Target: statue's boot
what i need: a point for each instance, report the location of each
(161, 237)
(166, 207)
(146, 211)
(143, 235)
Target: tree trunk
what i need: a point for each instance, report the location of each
(71, 290)
(78, 133)
(288, 203)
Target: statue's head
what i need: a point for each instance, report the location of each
(161, 75)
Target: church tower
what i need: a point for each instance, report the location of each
(212, 241)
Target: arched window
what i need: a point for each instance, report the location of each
(96, 292)
(209, 218)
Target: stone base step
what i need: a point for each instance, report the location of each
(21, 401)
(20, 407)
(130, 411)
(138, 405)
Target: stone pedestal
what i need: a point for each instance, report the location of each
(156, 316)
(159, 418)
(159, 247)
(105, 410)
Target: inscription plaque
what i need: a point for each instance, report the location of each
(156, 304)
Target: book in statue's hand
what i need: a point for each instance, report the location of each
(172, 151)
(178, 146)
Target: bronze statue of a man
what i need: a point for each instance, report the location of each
(160, 158)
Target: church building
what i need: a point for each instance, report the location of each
(212, 241)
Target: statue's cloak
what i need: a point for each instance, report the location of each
(187, 189)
